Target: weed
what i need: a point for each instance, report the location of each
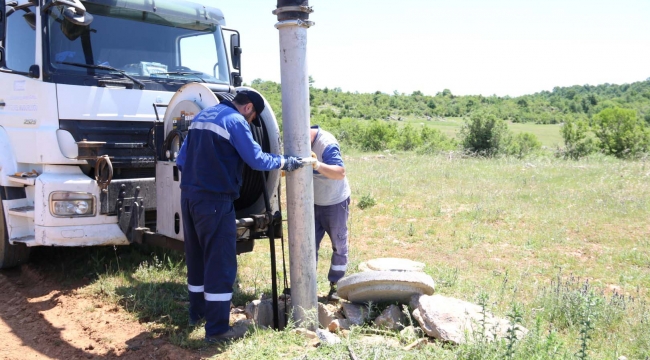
(515, 315)
(366, 201)
(447, 276)
(589, 305)
(411, 230)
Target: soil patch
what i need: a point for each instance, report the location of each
(43, 319)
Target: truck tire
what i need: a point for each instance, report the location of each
(10, 255)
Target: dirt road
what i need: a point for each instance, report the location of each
(42, 319)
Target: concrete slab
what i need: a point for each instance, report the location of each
(391, 264)
(378, 286)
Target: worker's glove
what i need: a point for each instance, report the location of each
(292, 163)
(316, 164)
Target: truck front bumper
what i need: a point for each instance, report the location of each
(87, 235)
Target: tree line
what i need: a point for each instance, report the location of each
(610, 118)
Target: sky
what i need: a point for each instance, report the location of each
(472, 47)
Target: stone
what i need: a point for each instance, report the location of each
(457, 321)
(384, 286)
(325, 315)
(327, 337)
(392, 318)
(237, 317)
(339, 325)
(355, 314)
(261, 312)
(391, 264)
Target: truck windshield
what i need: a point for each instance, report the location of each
(150, 47)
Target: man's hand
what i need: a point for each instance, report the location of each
(292, 163)
(315, 165)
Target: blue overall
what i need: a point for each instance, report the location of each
(211, 161)
(333, 219)
(331, 204)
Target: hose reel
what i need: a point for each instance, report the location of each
(187, 103)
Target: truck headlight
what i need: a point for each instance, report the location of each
(72, 204)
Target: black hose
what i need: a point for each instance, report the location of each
(251, 188)
(284, 264)
(103, 171)
(168, 142)
(271, 233)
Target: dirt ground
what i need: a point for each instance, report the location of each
(41, 319)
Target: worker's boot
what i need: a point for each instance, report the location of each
(333, 295)
(233, 333)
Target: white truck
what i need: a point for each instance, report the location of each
(95, 99)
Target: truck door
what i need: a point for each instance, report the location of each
(18, 101)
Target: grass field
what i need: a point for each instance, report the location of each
(566, 241)
(548, 135)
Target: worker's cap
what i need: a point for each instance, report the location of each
(258, 104)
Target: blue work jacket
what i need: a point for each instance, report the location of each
(211, 159)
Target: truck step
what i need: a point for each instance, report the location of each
(30, 181)
(23, 239)
(24, 211)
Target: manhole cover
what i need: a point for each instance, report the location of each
(378, 286)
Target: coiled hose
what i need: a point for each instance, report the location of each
(103, 171)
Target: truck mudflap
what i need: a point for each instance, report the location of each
(87, 235)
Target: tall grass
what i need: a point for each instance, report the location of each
(564, 243)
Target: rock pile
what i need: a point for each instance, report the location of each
(399, 281)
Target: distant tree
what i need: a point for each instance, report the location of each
(523, 103)
(484, 134)
(577, 142)
(620, 132)
(523, 144)
(407, 138)
(377, 135)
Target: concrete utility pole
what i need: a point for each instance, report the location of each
(293, 22)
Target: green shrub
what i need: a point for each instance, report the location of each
(376, 136)
(366, 201)
(576, 139)
(407, 138)
(523, 144)
(484, 134)
(620, 132)
(433, 140)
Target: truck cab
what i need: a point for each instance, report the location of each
(95, 97)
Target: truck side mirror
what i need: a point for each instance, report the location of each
(235, 51)
(34, 72)
(236, 79)
(3, 64)
(3, 20)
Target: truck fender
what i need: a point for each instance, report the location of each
(8, 165)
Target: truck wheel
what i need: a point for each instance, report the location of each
(10, 255)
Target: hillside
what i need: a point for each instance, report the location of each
(546, 107)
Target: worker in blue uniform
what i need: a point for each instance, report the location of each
(331, 202)
(211, 161)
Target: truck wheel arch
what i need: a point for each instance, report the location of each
(10, 255)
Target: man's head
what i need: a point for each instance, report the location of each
(250, 104)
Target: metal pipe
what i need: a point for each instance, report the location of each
(292, 26)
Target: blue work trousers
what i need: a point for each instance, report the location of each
(211, 255)
(333, 220)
